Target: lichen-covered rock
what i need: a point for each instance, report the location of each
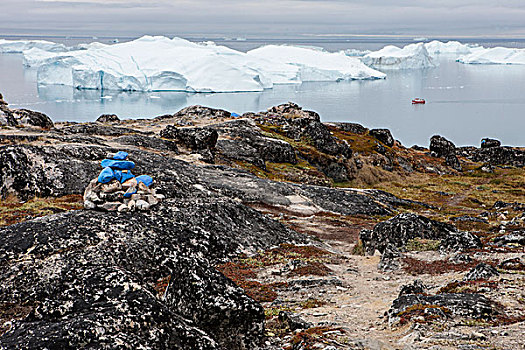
(351, 127)
(417, 287)
(502, 155)
(441, 147)
(127, 280)
(389, 259)
(108, 118)
(459, 242)
(487, 143)
(514, 238)
(23, 117)
(242, 140)
(154, 143)
(192, 138)
(468, 306)
(197, 112)
(452, 161)
(482, 271)
(383, 135)
(402, 228)
(98, 129)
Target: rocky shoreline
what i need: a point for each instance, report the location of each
(275, 231)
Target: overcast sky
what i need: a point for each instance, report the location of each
(489, 18)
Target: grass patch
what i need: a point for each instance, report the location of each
(421, 245)
(13, 211)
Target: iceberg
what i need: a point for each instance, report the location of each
(496, 55)
(163, 64)
(413, 56)
(19, 46)
(455, 48)
(315, 64)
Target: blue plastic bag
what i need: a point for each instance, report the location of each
(106, 175)
(120, 155)
(122, 176)
(145, 179)
(235, 115)
(131, 191)
(118, 164)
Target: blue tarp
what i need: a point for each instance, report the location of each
(106, 175)
(117, 164)
(145, 179)
(123, 176)
(120, 155)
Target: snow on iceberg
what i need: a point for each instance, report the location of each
(496, 55)
(413, 56)
(455, 48)
(163, 64)
(19, 46)
(316, 64)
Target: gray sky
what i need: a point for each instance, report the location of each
(489, 18)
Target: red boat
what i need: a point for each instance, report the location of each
(418, 101)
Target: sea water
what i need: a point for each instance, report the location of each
(464, 102)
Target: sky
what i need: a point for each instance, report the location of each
(478, 18)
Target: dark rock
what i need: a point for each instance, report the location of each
(417, 287)
(487, 143)
(30, 118)
(514, 206)
(441, 147)
(470, 306)
(402, 228)
(108, 118)
(460, 259)
(242, 140)
(140, 282)
(147, 142)
(466, 218)
(418, 148)
(293, 322)
(511, 238)
(495, 155)
(389, 259)
(99, 129)
(198, 112)
(380, 148)
(293, 110)
(452, 161)
(351, 127)
(460, 241)
(2, 102)
(481, 272)
(383, 135)
(193, 138)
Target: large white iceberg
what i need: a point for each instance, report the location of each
(316, 64)
(496, 55)
(163, 64)
(19, 46)
(413, 56)
(454, 48)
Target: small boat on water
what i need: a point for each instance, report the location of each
(418, 101)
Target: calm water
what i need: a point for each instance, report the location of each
(464, 102)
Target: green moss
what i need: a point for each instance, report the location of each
(421, 245)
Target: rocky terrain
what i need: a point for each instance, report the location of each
(276, 231)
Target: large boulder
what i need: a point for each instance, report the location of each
(398, 230)
(383, 135)
(194, 138)
(441, 147)
(488, 143)
(108, 118)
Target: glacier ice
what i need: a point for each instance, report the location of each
(413, 56)
(316, 64)
(496, 55)
(454, 48)
(19, 46)
(163, 64)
